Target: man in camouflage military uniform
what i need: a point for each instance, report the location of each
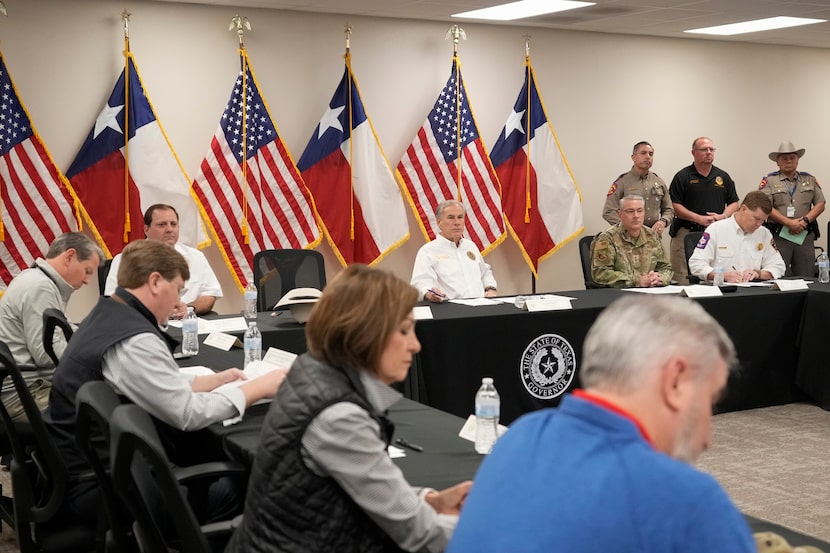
(630, 254)
(640, 181)
(797, 201)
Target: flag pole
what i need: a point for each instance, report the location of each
(527, 132)
(2, 228)
(457, 33)
(241, 24)
(528, 118)
(125, 18)
(347, 30)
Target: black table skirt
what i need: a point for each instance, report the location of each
(779, 338)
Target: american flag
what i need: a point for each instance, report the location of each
(36, 201)
(430, 168)
(270, 208)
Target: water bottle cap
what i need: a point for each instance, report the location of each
(252, 323)
(486, 380)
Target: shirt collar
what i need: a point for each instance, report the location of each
(64, 288)
(605, 404)
(379, 395)
(123, 296)
(795, 178)
(447, 242)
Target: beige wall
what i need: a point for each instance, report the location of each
(603, 93)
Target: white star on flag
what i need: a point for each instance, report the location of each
(330, 119)
(107, 119)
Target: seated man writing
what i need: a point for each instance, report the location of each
(630, 254)
(121, 343)
(744, 248)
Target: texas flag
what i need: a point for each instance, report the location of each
(356, 193)
(540, 198)
(126, 165)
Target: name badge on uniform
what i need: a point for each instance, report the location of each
(790, 211)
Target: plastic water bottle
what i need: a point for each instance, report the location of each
(190, 333)
(823, 268)
(717, 279)
(488, 407)
(250, 301)
(253, 344)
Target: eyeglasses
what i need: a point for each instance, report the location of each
(706, 149)
(630, 211)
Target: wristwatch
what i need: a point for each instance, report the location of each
(806, 220)
(487, 289)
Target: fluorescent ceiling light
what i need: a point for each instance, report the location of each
(780, 22)
(522, 9)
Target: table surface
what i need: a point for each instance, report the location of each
(461, 344)
(446, 459)
(751, 316)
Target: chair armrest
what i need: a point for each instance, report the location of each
(221, 528)
(187, 475)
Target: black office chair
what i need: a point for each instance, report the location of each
(39, 480)
(585, 258)
(276, 272)
(95, 403)
(689, 244)
(103, 273)
(144, 480)
(54, 319)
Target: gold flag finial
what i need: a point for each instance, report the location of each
(527, 46)
(457, 34)
(241, 24)
(347, 30)
(3, 8)
(125, 19)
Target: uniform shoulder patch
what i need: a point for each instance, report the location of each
(612, 189)
(704, 239)
(763, 183)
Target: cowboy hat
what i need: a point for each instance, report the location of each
(786, 148)
(299, 301)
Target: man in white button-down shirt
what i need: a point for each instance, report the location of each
(741, 244)
(451, 266)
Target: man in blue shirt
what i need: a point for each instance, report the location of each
(608, 470)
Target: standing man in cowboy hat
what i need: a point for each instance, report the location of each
(797, 202)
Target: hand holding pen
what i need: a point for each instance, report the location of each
(435, 295)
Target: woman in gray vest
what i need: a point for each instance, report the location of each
(322, 479)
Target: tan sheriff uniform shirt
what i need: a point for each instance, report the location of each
(653, 190)
(802, 192)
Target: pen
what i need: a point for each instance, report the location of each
(407, 444)
(431, 291)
